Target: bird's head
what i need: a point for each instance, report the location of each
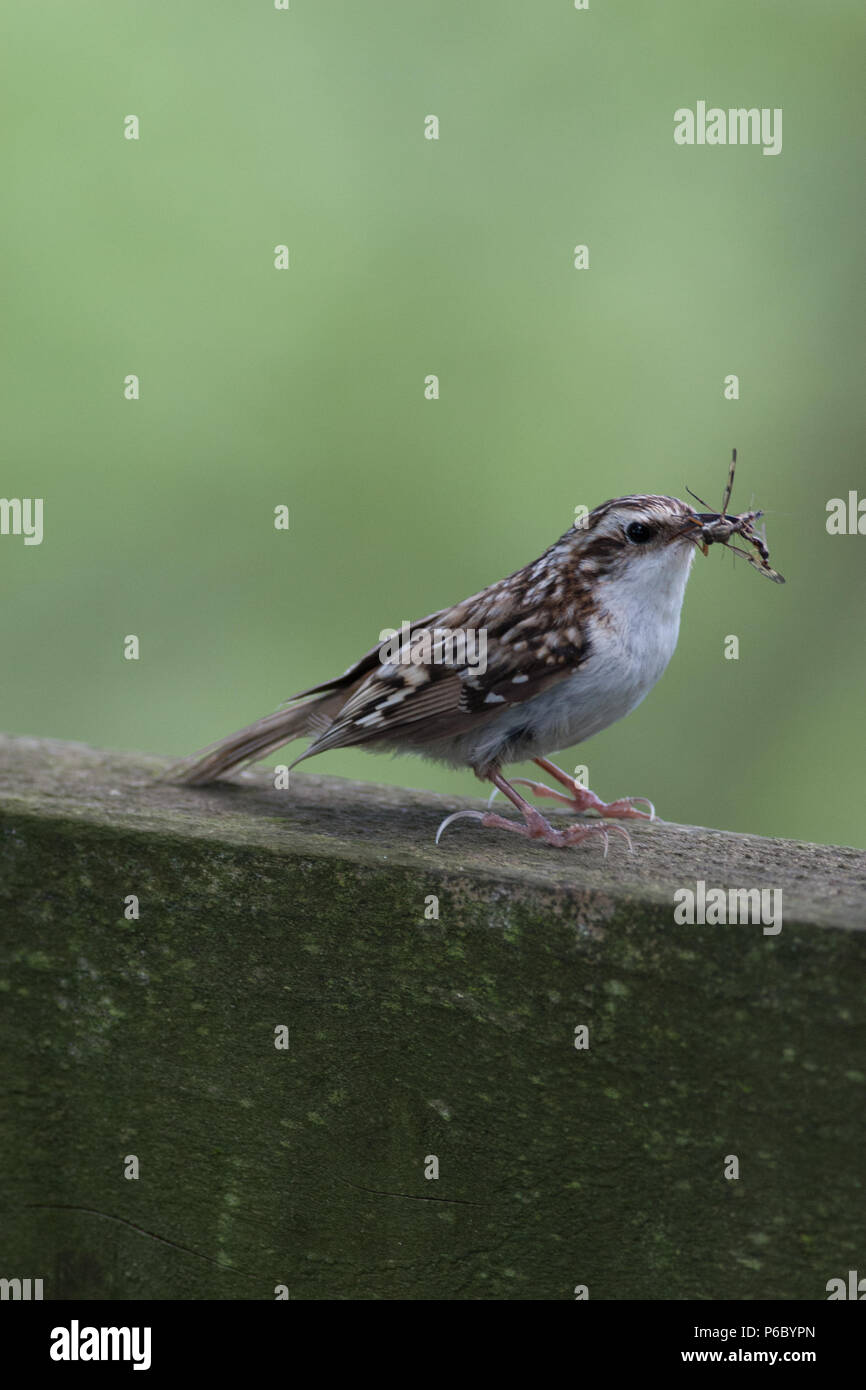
(644, 538)
(652, 540)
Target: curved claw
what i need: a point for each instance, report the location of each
(628, 802)
(622, 831)
(457, 815)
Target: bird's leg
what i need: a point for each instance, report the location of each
(582, 799)
(535, 827)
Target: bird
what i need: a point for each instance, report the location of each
(534, 663)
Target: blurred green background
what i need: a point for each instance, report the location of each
(411, 257)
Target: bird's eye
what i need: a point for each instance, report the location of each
(639, 532)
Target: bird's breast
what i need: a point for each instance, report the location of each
(626, 659)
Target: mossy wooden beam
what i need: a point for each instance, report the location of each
(412, 1037)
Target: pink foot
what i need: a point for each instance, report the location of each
(582, 799)
(535, 827)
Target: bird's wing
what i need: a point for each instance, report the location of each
(420, 697)
(368, 662)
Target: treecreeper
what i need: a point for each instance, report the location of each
(536, 662)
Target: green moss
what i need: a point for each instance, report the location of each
(557, 1166)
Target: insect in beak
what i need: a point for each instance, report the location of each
(717, 528)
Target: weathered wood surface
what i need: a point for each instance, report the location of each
(412, 1037)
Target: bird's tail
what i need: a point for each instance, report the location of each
(256, 740)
